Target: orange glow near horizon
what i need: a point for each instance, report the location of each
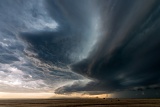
(7, 95)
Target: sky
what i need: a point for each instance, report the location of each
(80, 48)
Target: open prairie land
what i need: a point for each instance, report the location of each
(81, 103)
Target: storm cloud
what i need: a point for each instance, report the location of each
(126, 54)
(34, 55)
(91, 46)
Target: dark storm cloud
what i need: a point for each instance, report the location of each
(69, 43)
(115, 43)
(126, 55)
(51, 46)
(34, 55)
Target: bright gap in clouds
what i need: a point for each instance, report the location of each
(46, 44)
(20, 68)
(44, 95)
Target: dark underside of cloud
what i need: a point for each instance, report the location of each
(115, 43)
(126, 55)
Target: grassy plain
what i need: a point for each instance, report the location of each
(81, 103)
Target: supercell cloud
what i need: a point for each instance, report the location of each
(59, 45)
(126, 54)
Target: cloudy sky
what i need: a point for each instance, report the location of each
(80, 46)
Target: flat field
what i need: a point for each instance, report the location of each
(81, 103)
